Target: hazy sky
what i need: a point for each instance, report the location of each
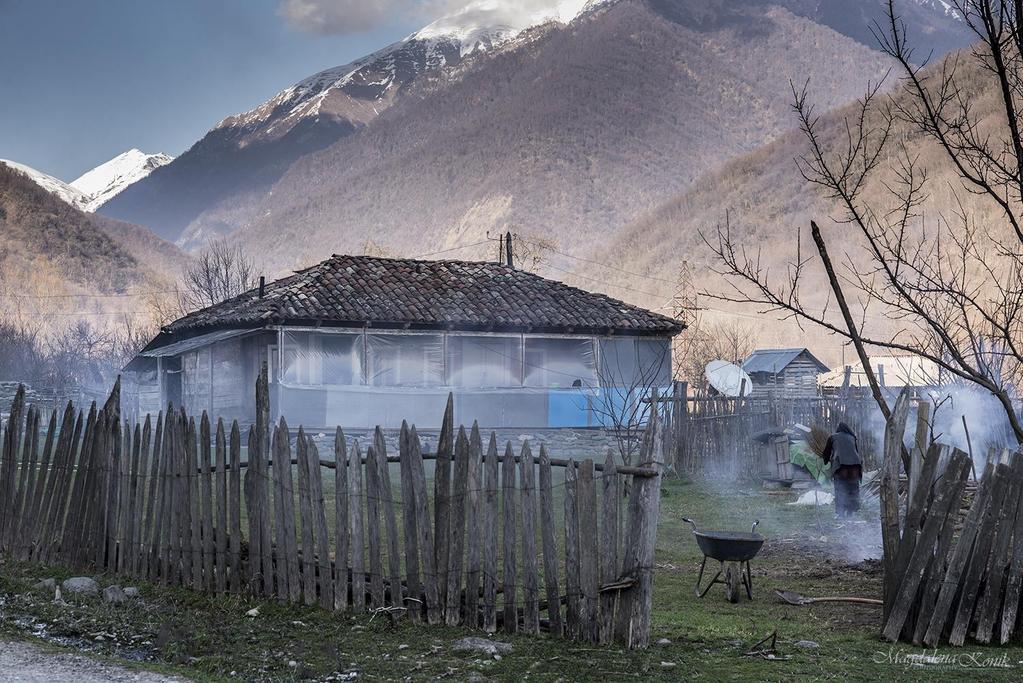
(84, 80)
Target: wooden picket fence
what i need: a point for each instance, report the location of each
(713, 436)
(170, 504)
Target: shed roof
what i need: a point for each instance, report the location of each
(405, 293)
(776, 360)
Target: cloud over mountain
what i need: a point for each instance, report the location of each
(339, 17)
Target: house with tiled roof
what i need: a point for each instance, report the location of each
(359, 341)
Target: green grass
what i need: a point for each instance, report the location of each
(208, 638)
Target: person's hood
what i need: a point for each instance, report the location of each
(844, 429)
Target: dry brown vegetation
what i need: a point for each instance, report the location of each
(60, 266)
(767, 204)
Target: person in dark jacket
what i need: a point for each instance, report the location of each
(843, 456)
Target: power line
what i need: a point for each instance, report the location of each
(602, 282)
(598, 263)
(448, 251)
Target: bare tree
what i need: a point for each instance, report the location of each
(622, 401)
(532, 251)
(947, 288)
(20, 356)
(220, 272)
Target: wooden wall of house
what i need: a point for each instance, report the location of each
(797, 380)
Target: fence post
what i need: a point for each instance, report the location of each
(633, 626)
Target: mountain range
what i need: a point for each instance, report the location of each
(610, 130)
(97, 187)
(573, 125)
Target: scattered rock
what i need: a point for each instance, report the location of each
(46, 585)
(482, 645)
(293, 664)
(403, 646)
(131, 592)
(254, 612)
(807, 644)
(664, 641)
(114, 594)
(668, 665)
(80, 585)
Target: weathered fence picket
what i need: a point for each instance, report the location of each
(166, 504)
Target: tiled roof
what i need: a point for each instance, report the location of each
(776, 360)
(354, 290)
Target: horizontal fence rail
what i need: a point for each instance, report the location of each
(500, 540)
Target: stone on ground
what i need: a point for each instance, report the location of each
(481, 645)
(80, 585)
(114, 594)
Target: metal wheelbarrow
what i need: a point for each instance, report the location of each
(734, 551)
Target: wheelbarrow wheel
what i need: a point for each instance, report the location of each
(732, 582)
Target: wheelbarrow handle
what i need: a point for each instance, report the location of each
(689, 522)
(754, 529)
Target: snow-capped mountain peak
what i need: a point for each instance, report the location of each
(69, 194)
(107, 180)
(360, 90)
(484, 23)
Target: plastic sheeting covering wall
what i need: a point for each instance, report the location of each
(357, 379)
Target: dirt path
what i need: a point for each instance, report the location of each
(28, 663)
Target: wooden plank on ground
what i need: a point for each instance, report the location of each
(490, 524)
(530, 570)
(509, 536)
(548, 535)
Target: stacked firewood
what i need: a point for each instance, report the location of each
(947, 576)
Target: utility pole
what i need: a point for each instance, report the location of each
(508, 250)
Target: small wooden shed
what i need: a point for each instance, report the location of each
(787, 373)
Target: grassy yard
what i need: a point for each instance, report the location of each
(211, 638)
